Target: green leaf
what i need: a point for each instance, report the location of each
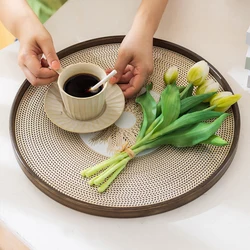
(192, 101)
(148, 105)
(170, 105)
(191, 135)
(215, 140)
(181, 88)
(186, 120)
(199, 107)
(158, 108)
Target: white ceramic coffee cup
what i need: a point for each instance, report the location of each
(82, 108)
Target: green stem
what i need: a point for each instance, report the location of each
(83, 172)
(107, 183)
(187, 91)
(114, 170)
(149, 132)
(151, 128)
(210, 108)
(137, 148)
(91, 181)
(154, 124)
(110, 170)
(142, 141)
(116, 158)
(114, 167)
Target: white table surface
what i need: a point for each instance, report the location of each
(219, 219)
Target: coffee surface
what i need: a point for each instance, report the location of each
(79, 85)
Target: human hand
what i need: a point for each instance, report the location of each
(33, 44)
(134, 62)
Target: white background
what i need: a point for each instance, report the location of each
(219, 219)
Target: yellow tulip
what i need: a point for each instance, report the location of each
(171, 75)
(207, 86)
(198, 73)
(224, 100)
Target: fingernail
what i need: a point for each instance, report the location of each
(55, 65)
(113, 80)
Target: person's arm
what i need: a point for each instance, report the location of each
(21, 21)
(17, 16)
(135, 57)
(149, 15)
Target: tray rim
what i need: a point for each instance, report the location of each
(126, 212)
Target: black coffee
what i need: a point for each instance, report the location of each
(79, 85)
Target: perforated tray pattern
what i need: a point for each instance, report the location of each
(56, 157)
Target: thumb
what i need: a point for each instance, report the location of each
(50, 54)
(121, 63)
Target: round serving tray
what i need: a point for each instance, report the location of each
(158, 181)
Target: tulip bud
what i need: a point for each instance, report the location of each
(224, 100)
(198, 73)
(208, 86)
(171, 75)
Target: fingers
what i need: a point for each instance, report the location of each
(126, 76)
(122, 62)
(36, 74)
(44, 63)
(128, 68)
(133, 79)
(48, 49)
(35, 81)
(35, 68)
(134, 86)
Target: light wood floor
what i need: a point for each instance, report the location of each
(10, 241)
(5, 37)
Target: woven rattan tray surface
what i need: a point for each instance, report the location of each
(152, 183)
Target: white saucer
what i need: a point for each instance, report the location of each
(113, 109)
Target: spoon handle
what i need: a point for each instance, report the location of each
(105, 79)
(58, 71)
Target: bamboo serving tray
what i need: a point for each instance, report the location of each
(155, 182)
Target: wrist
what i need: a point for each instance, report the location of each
(24, 25)
(149, 15)
(143, 24)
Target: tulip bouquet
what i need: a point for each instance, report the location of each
(221, 101)
(179, 119)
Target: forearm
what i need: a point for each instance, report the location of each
(149, 15)
(17, 16)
